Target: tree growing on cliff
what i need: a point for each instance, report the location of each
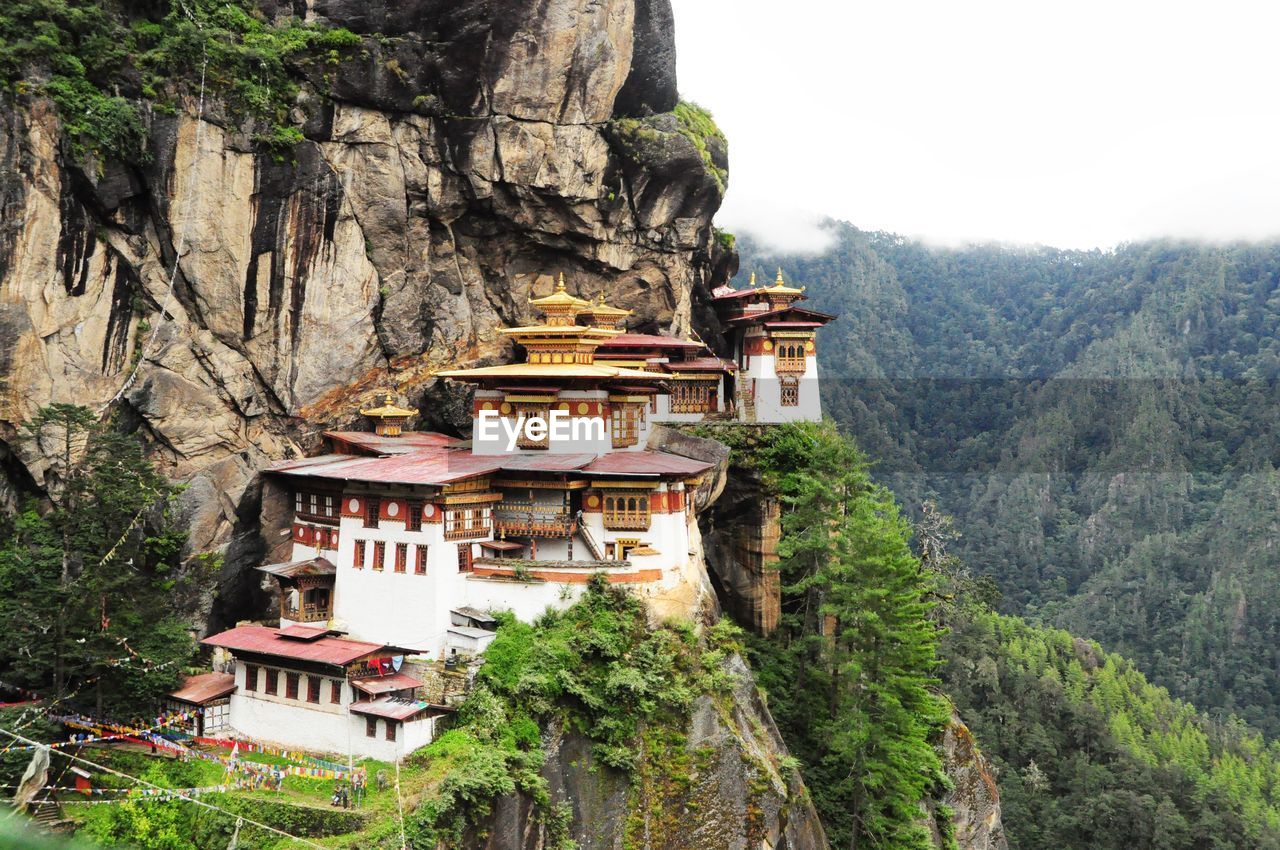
(86, 579)
(850, 668)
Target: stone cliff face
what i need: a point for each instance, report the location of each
(722, 783)
(465, 154)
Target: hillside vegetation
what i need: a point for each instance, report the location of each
(1102, 425)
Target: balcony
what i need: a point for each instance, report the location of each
(306, 613)
(518, 521)
(790, 365)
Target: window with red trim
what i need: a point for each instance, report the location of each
(250, 677)
(371, 727)
(379, 555)
(420, 561)
(313, 689)
(402, 556)
(357, 558)
(290, 685)
(391, 729)
(273, 681)
(335, 692)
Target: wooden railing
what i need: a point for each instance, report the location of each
(790, 365)
(308, 613)
(532, 522)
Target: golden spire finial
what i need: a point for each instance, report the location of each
(387, 400)
(753, 279)
(600, 298)
(779, 281)
(560, 284)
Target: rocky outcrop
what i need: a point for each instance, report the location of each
(970, 808)
(740, 538)
(451, 165)
(723, 782)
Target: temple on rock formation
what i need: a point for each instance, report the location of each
(403, 542)
(775, 351)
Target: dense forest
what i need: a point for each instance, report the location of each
(1102, 425)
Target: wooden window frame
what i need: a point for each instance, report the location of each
(627, 510)
(335, 691)
(251, 677)
(313, 689)
(468, 521)
(271, 687)
(372, 511)
(379, 556)
(391, 729)
(371, 727)
(358, 555)
(529, 411)
(290, 685)
(624, 425)
(466, 558)
(789, 393)
(402, 557)
(413, 521)
(420, 560)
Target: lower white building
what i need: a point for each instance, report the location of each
(307, 688)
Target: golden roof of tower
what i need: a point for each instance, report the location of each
(560, 299)
(779, 286)
(388, 410)
(600, 308)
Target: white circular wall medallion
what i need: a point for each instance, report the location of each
(393, 508)
(353, 506)
(428, 510)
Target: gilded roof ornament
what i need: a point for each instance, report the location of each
(388, 410)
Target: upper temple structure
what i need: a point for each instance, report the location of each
(405, 542)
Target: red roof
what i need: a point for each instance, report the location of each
(373, 443)
(300, 632)
(378, 685)
(646, 341)
(337, 651)
(394, 709)
(645, 463)
(204, 687)
(701, 364)
(750, 318)
(431, 466)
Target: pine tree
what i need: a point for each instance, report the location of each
(849, 672)
(86, 580)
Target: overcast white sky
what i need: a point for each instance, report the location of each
(1075, 124)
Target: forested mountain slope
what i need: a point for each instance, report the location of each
(1102, 425)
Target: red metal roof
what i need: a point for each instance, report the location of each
(267, 641)
(378, 685)
(646, 341)
(394, 709)
(568, 462)
(794, 324)
(701, 364)
(300, 632)
(750, 318)
(645, 463)
(429, 466)
(204, 687)
(376, 444)
(306, 567)
(501, 545)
